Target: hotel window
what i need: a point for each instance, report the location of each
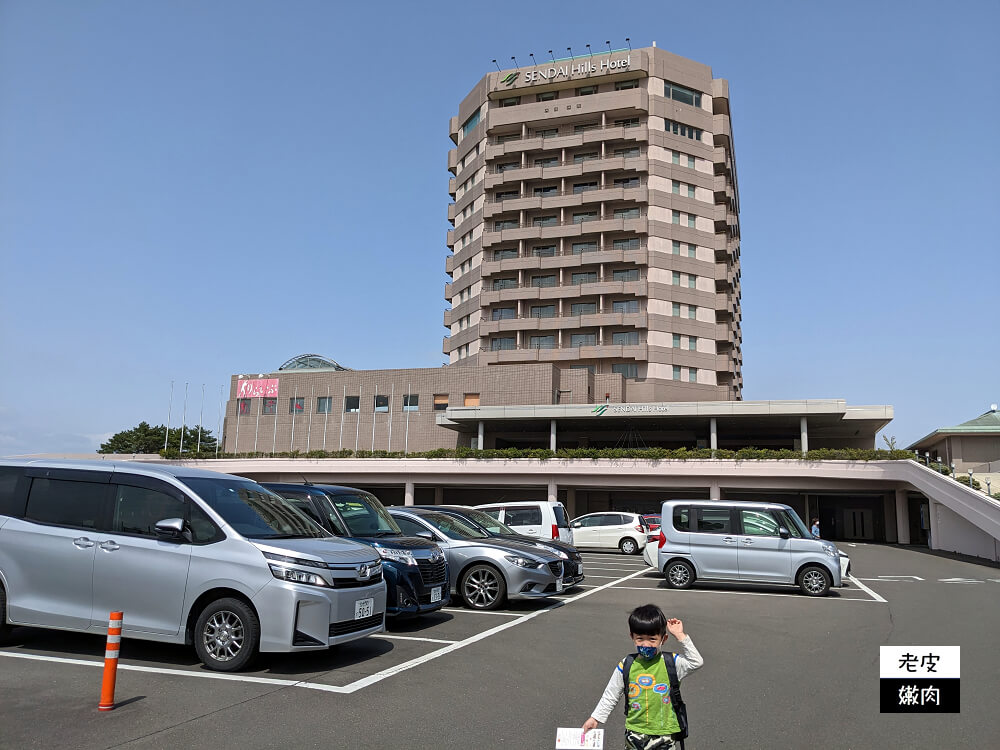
(692, 281)
(547, 96)
(470, 123)
(676, 188)
(626, 182)
(692, 251)
(242, 407)
(504, 196)
(547, 133)
(507, 166)
(676, 247)
(545, 221)
(625, 306)
(546, 190)
(691, 158)
(297, 405)
(583, 308)
(505, 224)
(542, 342)
(676, 158)
(508, 137)
(676, 278)
(411, 402)
(543, 281)
(440, 401)
(381, 403)
(592, 369)
(543, 251)
(504, 284)
(681, 94)
(582, 339)
(501, 344)
(504, 254)
(675, 217)
(687, 131)
(692, 311)
(624, 85)
(583, 128)
(583, 187)
(677, 372)
(589, 156)
(543, 311)
(269, 406)
(675, 309)
(471, 399)
(630, 243)
(584, 277)
(586, 90)
(692, 374)
(630, 274)
(628, 153)
(510, 101)
(626, 213)
(693, 343)
(690, 191)
(677, 341)
(691, 220)
(631, 122)
(352, 404)
(582, 216)
(323, 404)
(584, 247)
(504, 313)
(625, 338)
(626, 370)
(547, 161)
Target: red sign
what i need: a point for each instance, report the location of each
(257, 388)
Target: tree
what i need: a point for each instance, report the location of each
(146, 439)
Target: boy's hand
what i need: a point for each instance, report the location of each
(676, 628)
(589, 724)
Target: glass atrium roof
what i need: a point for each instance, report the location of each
(312, 362)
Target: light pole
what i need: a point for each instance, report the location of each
(970, 479)
(927, 458)
(953, 468)
(938, 460)
(988, 486)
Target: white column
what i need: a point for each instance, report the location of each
(439, 495)
(713, 434)
(408, 494)
(482, 434)
(553, 492)
(571, 502)
(902, 517)
(714, 491)
(552, 435)
(805, 435)
(932, 507)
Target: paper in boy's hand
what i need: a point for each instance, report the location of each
(573, 738)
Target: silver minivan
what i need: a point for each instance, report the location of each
(743, 541)
(189, 556)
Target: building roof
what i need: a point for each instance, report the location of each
(312, 362)
(984, 424)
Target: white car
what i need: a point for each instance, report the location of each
(538, 518)
(627, 532)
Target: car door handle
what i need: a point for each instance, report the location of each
(748, 541)
(109, 546)
(729, 540)
(82, 542)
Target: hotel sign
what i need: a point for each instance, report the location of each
(555, 72)
(617, 409)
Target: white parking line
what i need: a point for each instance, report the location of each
(480, 612)
(410, 638)
(609, 577)
(740, 593)
(861, 586)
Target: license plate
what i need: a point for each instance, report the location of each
(579, 569)
(559, 585)
(363, 608)
(435, 594)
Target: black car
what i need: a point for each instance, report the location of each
(415, 570)
(572, 561)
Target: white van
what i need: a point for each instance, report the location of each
(541, 518)
(190, 556)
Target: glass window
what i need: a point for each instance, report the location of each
(507, 166)
(692, 312)
(693, 343)
(626, 338)
(352, 404)
(544, 251)
(363, 514)
(411, 402)
(504, 313)
(675, 309)
(408, 527)
(682, 518)
(692, 374)
(79, 505)
(381, 403)
(582, 216)
(631, 122)
(758, 523)
(676, 187)
(625, 306)
(583, 308)
(584, 247)
(676, 247)
(580, 158)
(626, 370)
(632, 243)
(677, 372)
(242, 406)
(676, 278)
(470, 123)
(542, 281)
(583, 339)
(690, 160)
(586, 90)
(453, 527)
(253, 511)
(504, 254)
(676, 157)
(626, 213)
(592, 369)
(522, 516)
(690, 191)
(585, 127)
(630, 274)
(714, 521)
(543, 311)
(510, 101)
(681, 94)
(794, 525)
(623, 85)
(628, 153)
(505, 224)
(675, 217)
(504, 284)
(323, 404)
(692, 281)
(138, 510)
(546, 190)
(692, 251)
(503, 343)
(440, 401)
(545, 221)
(583, 187)
(547, 96)
(547, 132)
(584, 277)
(691, 220)
(677, 341)
(269, 406)
(626, 182)
(547, 161)
(543, 342)
(297, 405)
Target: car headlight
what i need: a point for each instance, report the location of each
(830, 550)
(522, 562)
(297, 576)
(396, 555)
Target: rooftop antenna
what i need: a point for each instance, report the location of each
(498, 67)
(552, 56)
(629, 43)
(515, 61)
(570, 50)
(305, 481)
(608, 42)
(533, 60)
(590, 50)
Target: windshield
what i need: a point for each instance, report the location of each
(453, 527)
(364, 515)
(489, 523)
(253, 511)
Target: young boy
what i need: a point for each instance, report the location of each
(650, 720)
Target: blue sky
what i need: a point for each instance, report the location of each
(190, 190)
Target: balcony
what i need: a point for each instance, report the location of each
(566, 258)
(635, 288)
(571, 106)
(564, 228)
(566, 198)
(564, 354)
(563, 322)
(500, 146)
(496, 175)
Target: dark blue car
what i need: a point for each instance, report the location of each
(415, 570)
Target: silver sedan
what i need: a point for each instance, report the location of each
(485, 571)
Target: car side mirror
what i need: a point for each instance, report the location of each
(172, 530)
(783, 532)
(426, 535)
(577, 525)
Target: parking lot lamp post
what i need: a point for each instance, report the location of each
(927, 458)
(970, 479)
(940, 465)
(988, 487)
(953, 468)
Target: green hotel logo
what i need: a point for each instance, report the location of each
(511, 77)
(599, 410)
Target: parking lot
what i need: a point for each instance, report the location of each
(782, 670)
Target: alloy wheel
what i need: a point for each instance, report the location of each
(223, 635)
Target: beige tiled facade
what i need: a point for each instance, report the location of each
(596, 224)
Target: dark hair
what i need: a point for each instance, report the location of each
(647, 620)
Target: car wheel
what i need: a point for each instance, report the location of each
(629, 546)
(4, 627)
(679, 574)
(814, 581)
(227, 635)
(483, 587)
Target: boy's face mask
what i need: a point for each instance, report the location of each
(648, 652)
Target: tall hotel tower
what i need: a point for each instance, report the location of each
(596, 224)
